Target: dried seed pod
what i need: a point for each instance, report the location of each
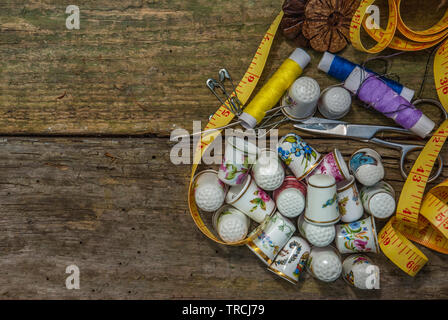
(292, 21)
(327, 23)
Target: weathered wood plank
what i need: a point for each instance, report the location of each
(139, 67)
(117, 209)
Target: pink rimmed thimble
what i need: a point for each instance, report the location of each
(321, 201)
(273, 236)
(239, 156)
(359, 236)
(209, 191)
(359, 272)
(298, 155)
(301, 98)
(379, 200)
(333, 164)
(367, 167)
(268, 170)
(251, 200)
(290, 197)
(325, 264)
(349, 201)
(291, 261)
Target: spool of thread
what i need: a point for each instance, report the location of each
(373, 91)
(271, 93)
(340, 68)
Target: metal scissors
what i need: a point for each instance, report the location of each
(367, 133)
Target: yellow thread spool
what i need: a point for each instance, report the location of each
(270, 94)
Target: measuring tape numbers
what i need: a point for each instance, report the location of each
(223, 117)
(419, 217)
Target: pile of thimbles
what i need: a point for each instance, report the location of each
(274, 187)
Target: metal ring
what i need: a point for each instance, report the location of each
(431, 179)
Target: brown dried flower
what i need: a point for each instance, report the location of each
(327, 23)
(292, 21)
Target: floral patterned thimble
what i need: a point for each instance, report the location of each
(298, 155)
(238, 158)
(359, 272)
(268, 170)
(359, 236)
(325, 264)
(251, 200)
(231, 224)
(291, 261)
(367, 167)
(379, 200)
(349, 201)
(321, 202)
(275, 234)
(209, 191)
(290, 197)
(333, 164)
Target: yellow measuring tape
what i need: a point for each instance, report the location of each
(423, 219)
(223, 117)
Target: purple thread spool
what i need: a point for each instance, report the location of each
(375, 93)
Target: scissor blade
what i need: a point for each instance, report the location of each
(335, 129)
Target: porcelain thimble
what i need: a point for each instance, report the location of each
(358, 236)
(325, 264)
(275, 234)
(349, 201)
(291, 261)
(333, 164)
(301, 99)
(290, 197)
(319, 236)
(268, 170)
(298, 155)
(359, 272)
(209, 191)
(251, 200)
(335, 102)
(367, 167)
(231, 224)
(321, 202)
(239, 156)
(379, 200)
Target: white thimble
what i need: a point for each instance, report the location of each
(325, 264)
(209, 191)
(302, 98)
(379, 200)
(290, 202)
(231, 224)
(268, 170)
(367, 167)
(335, 103)
(319, 236)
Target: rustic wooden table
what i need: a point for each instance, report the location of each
(86, 178)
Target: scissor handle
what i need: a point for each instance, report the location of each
(434, 102)
(409, 148)
(405, 149)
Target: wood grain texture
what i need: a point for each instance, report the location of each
(139, 67)
(116, 206)
(117, 209)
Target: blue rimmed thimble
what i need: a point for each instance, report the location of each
(298, 155)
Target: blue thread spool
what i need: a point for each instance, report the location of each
(341, 68)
